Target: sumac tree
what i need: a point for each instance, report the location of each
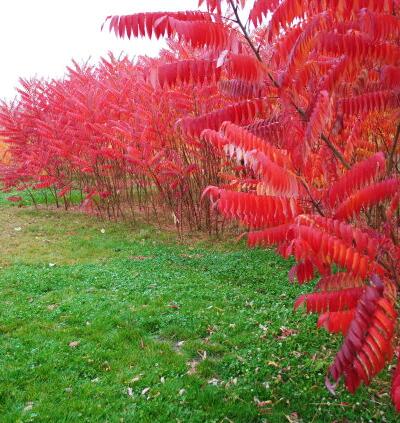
(106, 131)
(311, 117)
(290, 115)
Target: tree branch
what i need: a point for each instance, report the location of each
(393, 150)
(314, 203)
(335, 151)
(244, 30)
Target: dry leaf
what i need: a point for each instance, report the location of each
(140, 257)
(286, 332)
(202, 354)
(192, 367)
(51, 307)
(29, 406)
(74, 344)
(145, 390)
(293, 418)
(231, 382)
(264, 403)
(129, 391)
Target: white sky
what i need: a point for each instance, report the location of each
(40, 37)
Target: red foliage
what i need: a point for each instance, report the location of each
(15, 198)
(185, 72)
(319, 302)
(367, 197)
(240, 113)
(368, 342)
(360, 175)
(300, 116)
(336, 321)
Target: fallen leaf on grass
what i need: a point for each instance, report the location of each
(192, 367)
(51, 307)
(140, 257)
(15, 198)
(28, 406)
(230, 382)
(264, 403)
(286, 332)
(129, 391)
(293, 418)
(211, 329)
(145, 390)
(74, 344)
(202, 354)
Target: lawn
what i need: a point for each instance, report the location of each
(107, 322)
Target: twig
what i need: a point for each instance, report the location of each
(244, 30)
(335, 151)
(315, 204)
(394, 146)
(327, 141)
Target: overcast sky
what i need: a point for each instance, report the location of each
(40, 37)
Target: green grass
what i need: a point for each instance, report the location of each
(105, 322)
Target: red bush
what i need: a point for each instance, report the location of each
(312, 100)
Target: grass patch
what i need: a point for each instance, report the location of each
(103, 321)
